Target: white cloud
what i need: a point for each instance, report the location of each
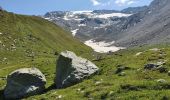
(124, 2)
(95, 2)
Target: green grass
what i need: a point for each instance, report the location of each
(36, 41)
(30, 41)
(114, 87)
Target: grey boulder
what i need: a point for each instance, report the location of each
(72, 69)
(24, 82)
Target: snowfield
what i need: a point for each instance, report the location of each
(74, 15)
(105, 16)
(74, 32)
(102, 46)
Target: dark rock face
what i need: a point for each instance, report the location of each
(72, 69)
(23, 83)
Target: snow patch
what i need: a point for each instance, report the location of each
(81, 25)
(0, 33)
(105, 16)
(74, 32)
(102, 46)
(66, 18)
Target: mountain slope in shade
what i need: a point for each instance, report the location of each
(153, 29)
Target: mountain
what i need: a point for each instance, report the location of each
(129, 27)
(85, 24)
(153, 29)
(140, 73)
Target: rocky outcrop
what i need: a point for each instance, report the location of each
(72, 69)
(23, 83)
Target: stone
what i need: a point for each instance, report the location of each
(72, 69)
(122, 74)
(162, 69)
(111, 93)
(161, 81)
(168, 73)
(98, 83)
(23, 83)
(139, 53)
(154, 49)
(157, 66)
(151, 66)
(121, 68)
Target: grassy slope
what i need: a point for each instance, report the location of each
(35, 36)
(29, 41)
(111, 84)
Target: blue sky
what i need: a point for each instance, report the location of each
(39, 7)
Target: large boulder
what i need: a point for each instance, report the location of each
(23, 83)
(72, 69)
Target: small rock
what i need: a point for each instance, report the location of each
(79, 89)
(168, 73)
(130, 87)
(24, 82)
(4, 59)
(151, 66)
(161, 63)
(162, 69)
(59, 97)
(155, 49)
(98, 82)
(111, 93)
(157, 66)
(161, 81)
(122, 74)
(139, 53)
(120, 69)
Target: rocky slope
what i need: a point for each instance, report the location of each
(129, 27)
(153, 28)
